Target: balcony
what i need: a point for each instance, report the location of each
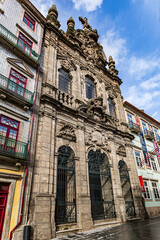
(18, 44)
(64, 97)
(12, 148)
(158, 139)
(148, 135)
(133, 127)
(15, 91)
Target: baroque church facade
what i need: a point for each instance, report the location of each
(84, 174)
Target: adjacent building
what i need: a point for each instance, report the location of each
(146, 131)
(85, 175)
(21, 33)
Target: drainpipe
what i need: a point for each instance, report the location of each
(27, 232)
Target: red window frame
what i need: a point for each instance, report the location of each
(18, 80)
(9, 127)
(24, 39)
(29, 21)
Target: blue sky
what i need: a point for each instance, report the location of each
(129, 31)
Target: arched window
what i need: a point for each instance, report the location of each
(126, 189)
(111, 107)
(66, 191)
(101, 194)
(64, 81)
(90, 88)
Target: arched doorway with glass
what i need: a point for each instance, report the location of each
(66, 189)
(126, 189)
(100, 183)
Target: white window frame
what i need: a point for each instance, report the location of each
(147, 190)
(153, 164)
(139, 158)
(156, 191)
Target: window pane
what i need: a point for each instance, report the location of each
(111, 107)
(90, 88)
(64, 81)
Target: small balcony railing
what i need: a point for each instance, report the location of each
(134, 127)
(149, 135)
(10, 37)
(64, 97)
(158, 139)
(12, 87)
(13, 148)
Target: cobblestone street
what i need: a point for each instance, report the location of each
(141, 230)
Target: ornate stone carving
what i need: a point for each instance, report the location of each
(98, 140)
(121, 151)
(67, 132)
(67, 64)
(94, 109)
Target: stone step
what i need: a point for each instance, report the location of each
(67, 232)
(106, 224)
(133, 219)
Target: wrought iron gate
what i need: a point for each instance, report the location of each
(126, 189)
(66, 190)
(101, 194)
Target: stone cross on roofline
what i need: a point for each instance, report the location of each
(85, 23)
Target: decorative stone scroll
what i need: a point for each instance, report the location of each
(67, 132)
(121, 151)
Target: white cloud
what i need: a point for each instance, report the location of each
(88, 5)
(142, 99)
(141, 67)
(151, 83)
(154, 114)
(114, 45)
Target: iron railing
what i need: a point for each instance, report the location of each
(134, 126)
(13, 148)
(148, 134)
(5, 33)
(16, 89)
(130, 209)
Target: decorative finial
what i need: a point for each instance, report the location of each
(52, 16)
(70, 24)
(111, 65)
(85, 23)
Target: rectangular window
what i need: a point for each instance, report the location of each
(64, 81)
(153, 163)
(25, 40)
(156, 134)
(144, 128)
(29, 21)
(138, 159)
(155, 190)
(130, 120)
(147, 194)
(90, 88)
(18, 83)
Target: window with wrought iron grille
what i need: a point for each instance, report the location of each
(64, 81)
(111, 107)
(147, 194)
(90, 88)
(153, 163)
(138, 158)
(156, 190)
(29, 21)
